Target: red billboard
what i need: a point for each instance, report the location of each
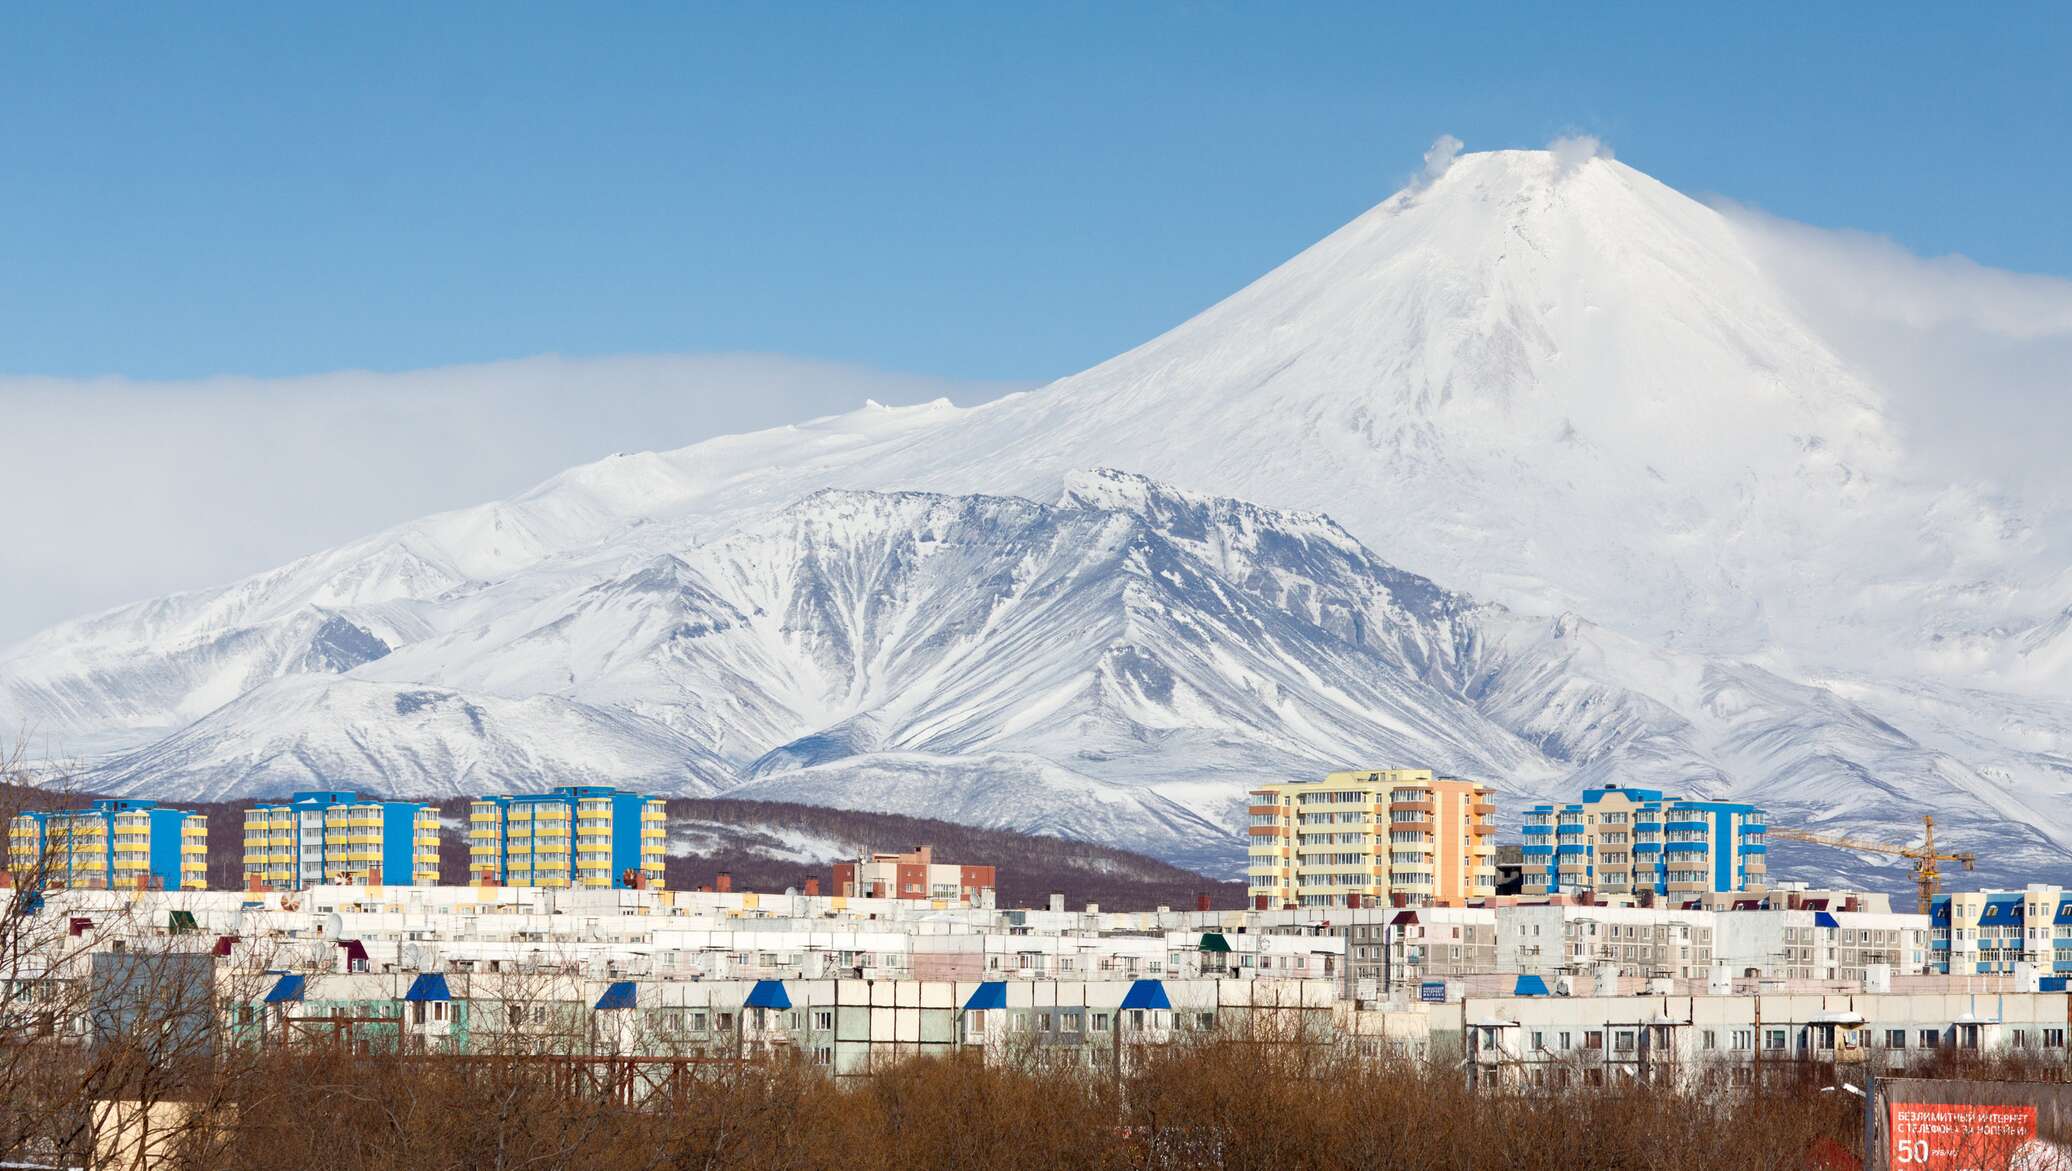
(1940, 1125)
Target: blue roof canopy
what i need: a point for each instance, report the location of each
(1530, 986)
(428, 986)
(285, 990)
(991, 994)
(768, 994)
(1146, 994)
(1823, 919)
(619, 995)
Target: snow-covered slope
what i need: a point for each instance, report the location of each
(1679, 537)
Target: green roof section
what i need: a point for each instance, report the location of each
(1214, 941)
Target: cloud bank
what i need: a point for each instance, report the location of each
(117, 490)
(1975, 362)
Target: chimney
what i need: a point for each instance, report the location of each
(1398, 899)
(1851, 903)
(254, 884)
(1259, 902)
(1792, 899)
(1352, 900)
(724, 884)
(812, 888)
(1201, 902)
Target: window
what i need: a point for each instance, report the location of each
(824, 1055)
(1068, 1022)
(1100, 1022)
(1567, 1040)
(697, 1022)
(823, 1019)
(1930, 1038)
(1775, 1039)
(2053, 1038)
(2019, 1038)
(1205, 1020)
(1708, 1039)
(1593, 1039)
(723, 1021)
(1622, 1041)
(1895, 1038)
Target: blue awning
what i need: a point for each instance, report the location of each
(991, 994)
(1146, 994)
(286, 989)
(428, 986)
(1823, 919)
(768, 994)
(619, 995)
(1530, 986)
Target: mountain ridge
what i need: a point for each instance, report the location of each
(1680, 542)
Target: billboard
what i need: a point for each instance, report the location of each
(1942, 1125)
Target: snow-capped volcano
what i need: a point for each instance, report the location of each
(1675, 536)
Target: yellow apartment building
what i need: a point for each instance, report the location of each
(334, 837)
(576, 836)
(1362, 837)
(111, 845)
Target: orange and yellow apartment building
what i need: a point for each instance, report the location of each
(1371, 837)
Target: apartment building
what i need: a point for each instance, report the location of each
(334, 837)
(914, 875)
(111, 845)
(1620, 841)
(1569, 939)
(576, 836)
(1372, 836)
(1552, 1041)
(1398, 947)
(1812, 942)
(1993, 931)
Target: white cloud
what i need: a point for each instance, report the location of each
(1975, 362)
(1438, 159)
(1573, 150)
(116, 490)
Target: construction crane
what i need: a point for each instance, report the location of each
(1925, 857)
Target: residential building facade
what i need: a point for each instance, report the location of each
(111, 845)
(914, 875)
(1990, 932)
(1373, 836)
(1633, 841)
(584, 836)
(333, 836)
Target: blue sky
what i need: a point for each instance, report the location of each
(215, 221)
(968, 191)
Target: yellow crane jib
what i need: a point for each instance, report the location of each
(1926, 860)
